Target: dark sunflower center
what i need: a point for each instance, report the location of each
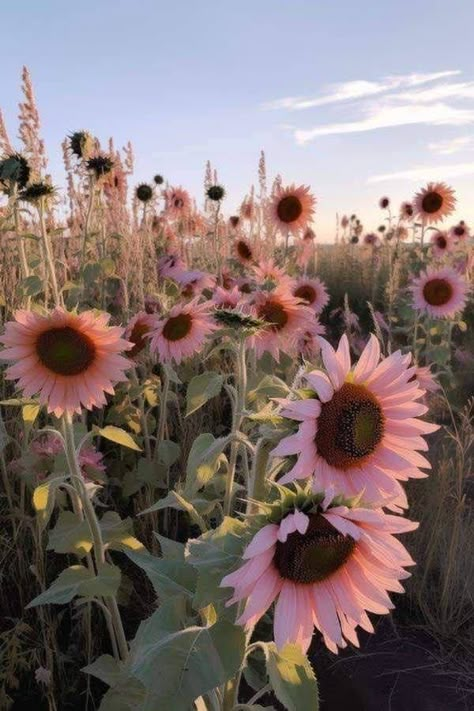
(306, 293)
(432, 202)
(314, 556)
(289, 208)
(273, 313)
(137, 337)
(459, 231)
(441, 242)
(178, 202)
(437, 292)
(244, 250)
(65, 351)
(350, 426)
(177, 327)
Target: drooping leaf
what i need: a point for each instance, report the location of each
(78, 580)
(119, 436)
(203, 461)
(201, 389)
(192, 661)
(71, 534)
(292, 677)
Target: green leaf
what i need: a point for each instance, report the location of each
(203, 461)
(117, 533)
(292, 678)
(170, 549)
(168, 452)
(30, 413)
(105, 668)
(176, 501)
(191, 661)
(32, 285)
(71, 534)
(44, 497)
(214, 554)
(118, 435)
(201, 389)
(168, 577)
(78, 580)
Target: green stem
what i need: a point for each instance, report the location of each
(49, 254)
(94, 526)
(241, 388)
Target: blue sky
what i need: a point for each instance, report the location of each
(357, 99)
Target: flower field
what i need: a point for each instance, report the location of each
(227, 449)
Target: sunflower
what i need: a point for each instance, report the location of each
(434, 203)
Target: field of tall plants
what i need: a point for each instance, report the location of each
(226, 448)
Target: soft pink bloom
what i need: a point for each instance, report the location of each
(67, 359)
(194, 282)
(325, 568)
(91, 462)
(183, 332)
(46, 446)
(312, 292)
(287, 318)
(244, 251)
(177, 203)
(360, 433)
(426, 379)
(371, 239)
(441, 243)
(459, 232)
(291, 208)
(268, 271)
(171, 266)
(136, 331)
(441, 293)
(406, 211)
(226, 298)
(308, 344)
(434, 203)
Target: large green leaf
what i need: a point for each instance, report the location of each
(168, 577)
(203, 461)
(78, 580)
(176, 501)
(292, 678)
(117, 533)
(71, 534)
(201, 389)
(107, 669)
(191, 661)
(214, 554)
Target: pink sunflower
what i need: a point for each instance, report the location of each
(226, 298)
(267, 271)
(406, 211)
(434, 203)
(441, 243)
(171, 266)
(313, 292)
(286, 317)
(177, 203)
(244, 251)
(459, 232)
(67, 359)
(194, 282)
(441, 293)
(183, 332)
(326, 566)
(291, 208)
(308, 344)
(136, 331)
(360, 434)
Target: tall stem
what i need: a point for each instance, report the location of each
(94, 526)
(48, 252)
(88, 220)
(241, 388)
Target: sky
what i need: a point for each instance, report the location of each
(356, 99)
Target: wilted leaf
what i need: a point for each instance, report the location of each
(119, 436)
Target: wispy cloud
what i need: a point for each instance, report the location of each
(427, 172)
(385, 116)
(452, 145)
(358, 89)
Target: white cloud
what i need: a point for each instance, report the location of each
(358, 89)
(459, 90)
(426, 172)
(452, 145)
(386, 116)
